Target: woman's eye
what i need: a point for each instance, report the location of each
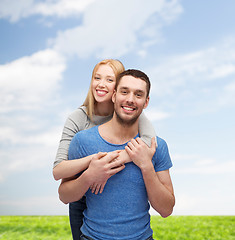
(97, 78)
(110, 80)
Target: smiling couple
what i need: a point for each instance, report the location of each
(112, 170)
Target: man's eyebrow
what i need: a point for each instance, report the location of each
(139, 91)
(123, 87)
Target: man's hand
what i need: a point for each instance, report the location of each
(102, 167)
(140, 153)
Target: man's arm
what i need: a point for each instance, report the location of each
(160, 190)
(101, 168)
(72, 189)
(158, 184)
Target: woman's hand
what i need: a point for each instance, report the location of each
(124, 156)
(105, 165)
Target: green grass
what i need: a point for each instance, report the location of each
(171, 228)
(34, 228)
(194, 228)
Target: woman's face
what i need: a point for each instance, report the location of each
(103, 83)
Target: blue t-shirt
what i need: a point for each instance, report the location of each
(121, 212)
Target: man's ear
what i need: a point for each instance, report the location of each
(146, 102)
(113, 96)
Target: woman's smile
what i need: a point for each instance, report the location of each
(101, 93)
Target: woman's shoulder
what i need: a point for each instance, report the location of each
(78, 119)
(80, 112)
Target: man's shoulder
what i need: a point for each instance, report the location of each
(161, 143)
(84, 137)
(87, 132)
(161, 157)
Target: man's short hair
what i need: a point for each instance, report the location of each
(136, 74)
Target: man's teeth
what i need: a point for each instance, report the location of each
(128, 108)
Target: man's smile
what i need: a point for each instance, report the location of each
(128, 108)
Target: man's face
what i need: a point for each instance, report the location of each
(130, 99)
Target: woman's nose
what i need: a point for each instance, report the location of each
(101, 83)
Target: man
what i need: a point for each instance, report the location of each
(122, 210)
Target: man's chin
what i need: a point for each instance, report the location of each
(127, 120)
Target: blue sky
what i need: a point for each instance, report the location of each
(47, 52)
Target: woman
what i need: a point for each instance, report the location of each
(97, 109)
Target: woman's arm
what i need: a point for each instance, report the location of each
(146, 129)
(68, 168)
(77, 121)
(63, 168)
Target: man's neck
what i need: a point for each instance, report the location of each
(116, 133)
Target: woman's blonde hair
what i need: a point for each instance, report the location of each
(90, 101)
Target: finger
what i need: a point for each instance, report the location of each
(116, 163)
(117, 151)
(134, 142)
(110, 157)
(101, 154)
(128, 150)
(130, 145)
(116, 170)
(93, 189)
(139, 141)
(97, 189)
(102, 187)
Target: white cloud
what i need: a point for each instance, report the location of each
(24, 151)
(109, 29)
(156, 115)
(15, 10)
(191, 80)
(196, 164)
(205, 65)
(25, 80)
(40, 205)
(228, 97)
(216, 168)
(202, 204)
(28, 96)
(62, 8)
(222, 71)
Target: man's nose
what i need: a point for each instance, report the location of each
(130, 97)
